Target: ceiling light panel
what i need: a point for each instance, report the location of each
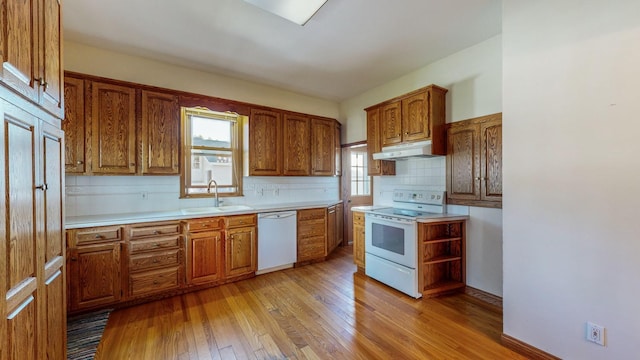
(297, 11)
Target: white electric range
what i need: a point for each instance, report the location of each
(391, 238)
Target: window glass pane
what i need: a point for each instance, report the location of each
(212, 164)
(210, 132)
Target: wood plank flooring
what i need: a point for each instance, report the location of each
(319, 311)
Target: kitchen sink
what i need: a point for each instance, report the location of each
(214, 210)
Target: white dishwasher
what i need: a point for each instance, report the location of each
(277, 236)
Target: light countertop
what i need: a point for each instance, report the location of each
(75, 222)
(427, 219)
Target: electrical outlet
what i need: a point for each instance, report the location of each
(595, 333)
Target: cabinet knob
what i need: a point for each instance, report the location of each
(132, 164)
(97, 236)
(156, 245)
(407, 133)
(74, 259)
(155, 261)
(478, 178)
(79, 162)
(42, 83)
(155, 282)
(156, 232)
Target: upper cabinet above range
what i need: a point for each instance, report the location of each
(415, 116)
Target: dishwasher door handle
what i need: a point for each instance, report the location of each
(276, 215)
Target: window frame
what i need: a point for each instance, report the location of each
(187, 147)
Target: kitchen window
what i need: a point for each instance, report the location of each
(211, 144)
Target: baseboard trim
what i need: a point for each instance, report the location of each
(484, 296)
(525, 349)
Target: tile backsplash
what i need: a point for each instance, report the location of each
(411, 174)
(100, 195)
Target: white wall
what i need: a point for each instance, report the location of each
(474, 79)
(572, 175)
(100, 62)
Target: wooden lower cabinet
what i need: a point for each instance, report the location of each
(441, 254)
(94, 274)
(56, 317)
(312, 234)
(358, 239)
(204, 251)
(240, 246)
(332, 236)
(155, 259)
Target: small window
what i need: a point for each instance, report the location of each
(360, 181)
(212, 150)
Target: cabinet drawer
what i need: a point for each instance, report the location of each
(154, 281)
(155, 244)
(101, 234)
(144, 231)
(316, 229)
(311, 214)
(241, 220)
(154, 259)
(311, 248)
(205, 224)
(358, 218)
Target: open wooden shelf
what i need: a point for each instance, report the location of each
(441, 250)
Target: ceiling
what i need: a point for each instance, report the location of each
(348, 47)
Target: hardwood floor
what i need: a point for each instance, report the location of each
(319, 311)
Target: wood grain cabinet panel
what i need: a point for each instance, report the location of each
(474, 161)
(160, 138)
(297, 145)
(441, 255)
(74, 126)
(415, 122)
(240, 251)
(312, 234)
(332, 222)
(322, 147)
(337, 137)
(391, 119)
(52, 83)
(56, 319)
(113, 135)
(265, 143)
(204, 251)
(374, 145)
(358, 239)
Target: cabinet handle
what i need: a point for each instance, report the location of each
(42, 83)
(407, 133)
(155, 282)
(155, 261)
(42, 187)
(97, 236)
(156, 245)
(478, 178)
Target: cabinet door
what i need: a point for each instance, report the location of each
(56, 315)
(331, 229)
(74, 126)
(94, 275)
(19, 41)
(51, 57)
(337, 150)
(204, 255)
(322, 147)
(374, 142)
(265, 143)
(415, 122)
(297, 142)
(22, 242)
(391, 124)
(463, 180)
(113, 135)
(339, 224)
(358, 244)
(240, 252)
(160, 133)
(491, 161)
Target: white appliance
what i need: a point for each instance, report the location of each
(276, 241)
(391, 238)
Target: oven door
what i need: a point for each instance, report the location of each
(391, 238)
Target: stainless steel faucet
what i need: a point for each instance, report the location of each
(216, 203)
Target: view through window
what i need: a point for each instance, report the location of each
(211, 145)
(360, 181)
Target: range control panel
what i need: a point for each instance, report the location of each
(419, 196)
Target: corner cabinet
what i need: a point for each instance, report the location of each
(474, 162)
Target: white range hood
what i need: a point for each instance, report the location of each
(405, 151)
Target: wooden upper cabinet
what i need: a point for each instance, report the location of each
(31, 51)
(474, 162)
(374, 144)
(391, 124)
(338, 149)
(415, 116)
(322, 147)
(52, 83)
(415, 122)
(160, 138)
(74, 126)
(265, 143)
(297, 142)
(113, 135)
